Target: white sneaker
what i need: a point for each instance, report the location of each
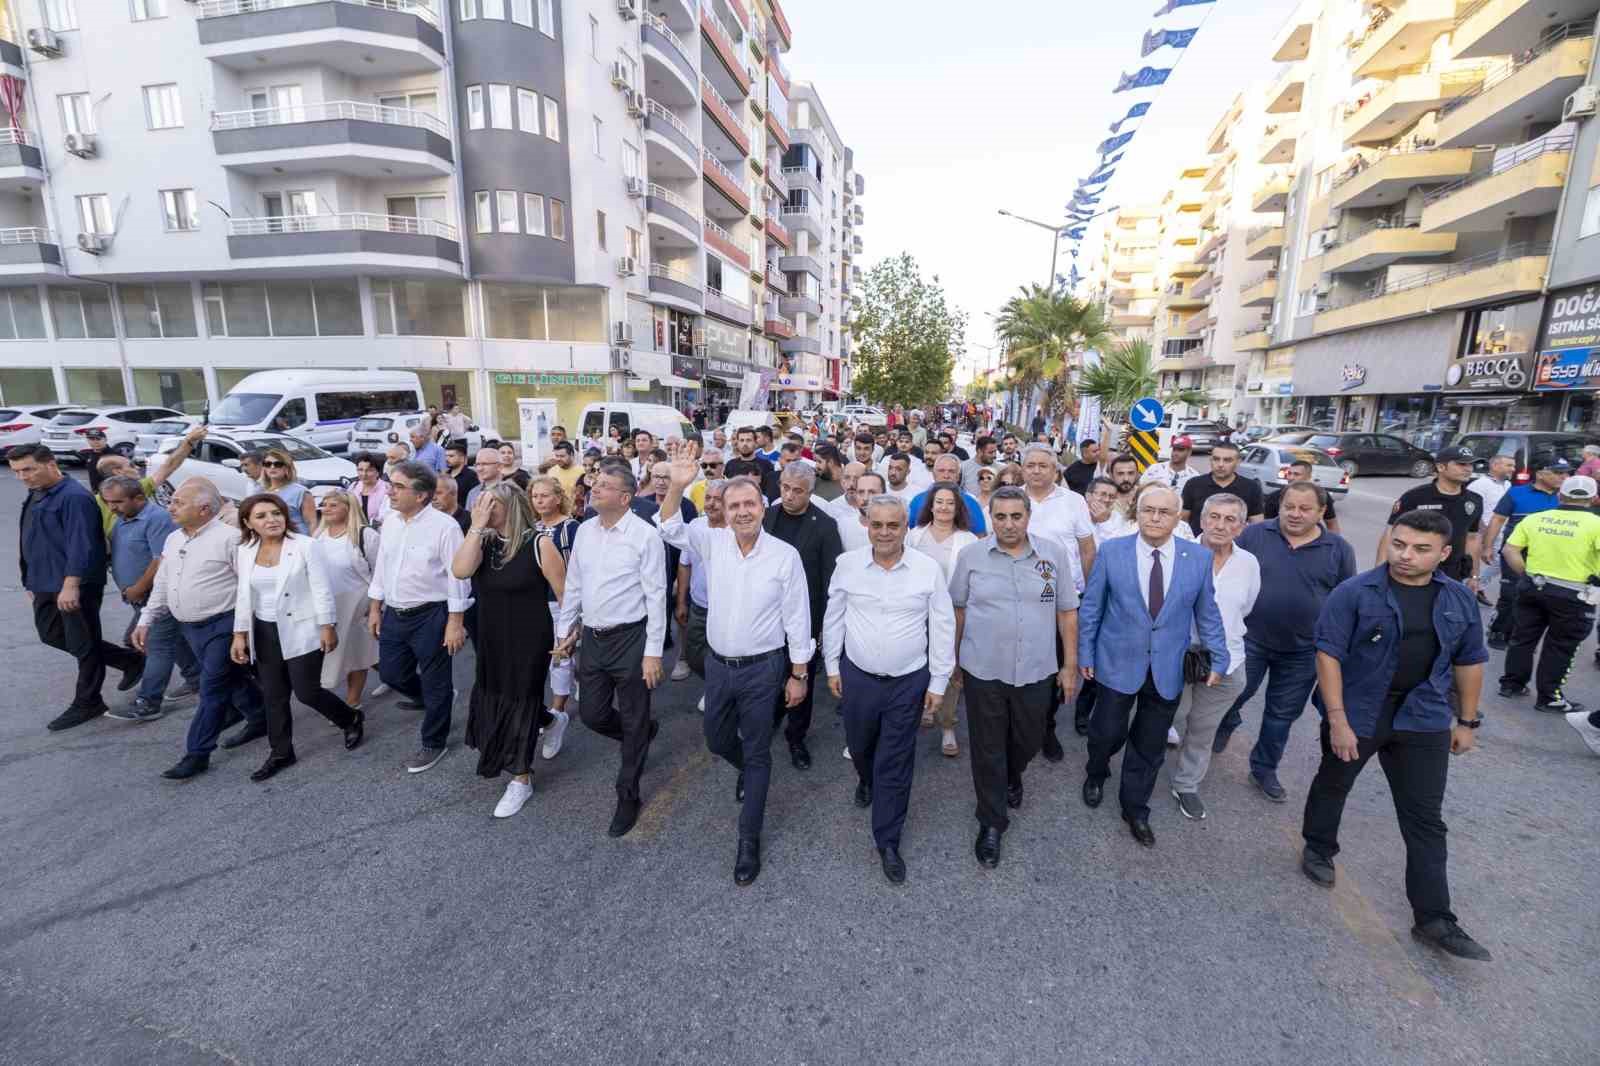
(1172, 737)
(1579, 720)
(515, 796)
(680, 672)
(553, 734)
(381, 690)
(702, 704)
(847, 752)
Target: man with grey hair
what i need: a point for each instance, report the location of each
(197, 583)
(424, 450)
(804, 526)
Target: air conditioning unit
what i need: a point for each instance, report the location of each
(622, 359)
(635, 101)
(620, 75)
(45, 42)
(1581, 104)
(627, 267)
(628, 9)
(635, 187)
(83, 145)
(622, 332)
(94, 243)
(1324, 288)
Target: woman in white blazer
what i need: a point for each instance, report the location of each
(283, 620)
(943, 529)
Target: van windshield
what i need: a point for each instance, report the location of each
(244, 408)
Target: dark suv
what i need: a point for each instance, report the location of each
(1526, 447)
(1366, 453)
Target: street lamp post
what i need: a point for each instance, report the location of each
(1056, 231)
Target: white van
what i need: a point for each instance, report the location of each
(319, 406)
(662, 421)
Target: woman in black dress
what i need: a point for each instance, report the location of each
(513, 569)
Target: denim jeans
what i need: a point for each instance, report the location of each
(413, 661)
(1290, 677)
(163, 649)
(223, 682)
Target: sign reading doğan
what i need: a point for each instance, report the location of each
(1569, 355)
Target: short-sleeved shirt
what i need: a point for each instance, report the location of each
(137, 541)
(1464, 509)
(1295, 582)
(292, 494)
(1011, 604)
(1563, 543)
(1200, 488)
(1520, 501)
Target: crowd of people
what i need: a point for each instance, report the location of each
(915, 576)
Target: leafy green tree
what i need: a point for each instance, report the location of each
(1043, 330)
(1125, 375)
(907, 335)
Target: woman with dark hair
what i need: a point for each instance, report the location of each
(370, 487)
(284, 620)
(942, 531)
(279, 477)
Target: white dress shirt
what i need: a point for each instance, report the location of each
(1490, 490)
(413, 565)
(1116, 524)
(1063, 516)
(617, 576)
(890, 622)
(852, 534)
(1237, 585)
(1146, 558)
(198, 578)
(759, 601)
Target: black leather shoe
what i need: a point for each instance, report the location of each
(894, 867)
(355, 731)
(1317, 868)
(1141, 831)
(655, 727)
(738, 788)
(626, 814)
(863, 794)
(1014, 795)
(799, 754)
(273, 764)
(245, 735)
(747, 866)
(188, 766)
(410, 705)
(1093, 792)
(1497, 642)
(131, 677)
(1080, 726)
(1510, 692)
(74, 716)
(1052, 747)
(987, 847)
(1219, 743)
(1449, 937)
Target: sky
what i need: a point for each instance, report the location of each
(956, 110)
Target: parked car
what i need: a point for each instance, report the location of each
(120, 423)
(149, 441)
(1204, 434)
(376, 432)
(1366, 453)
(1255, 433)
(864, 414)
(1527, 447)
(1268, 462)
(217, 458)
(23, 423)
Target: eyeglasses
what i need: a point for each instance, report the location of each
(273, 463)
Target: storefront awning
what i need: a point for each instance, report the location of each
(673, 381)
(1485, 401)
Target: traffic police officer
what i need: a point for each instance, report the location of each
(1558, 553)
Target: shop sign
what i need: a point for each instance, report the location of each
(1285, 388)
(688, 366)
(722, 368)
(568, 380)
(1569, 357)
(1572, 368)
(799, 382)
(1352, 376)
(1256, 385)
(725, 340)
(1500, 371)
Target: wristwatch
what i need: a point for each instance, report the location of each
(801, 676)
(1470, 723)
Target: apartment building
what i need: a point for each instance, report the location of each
(577, 199)
(1125, 278)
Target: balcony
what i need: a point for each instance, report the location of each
(362, 38)
(778, 233)
(1402, 35)
(1517, 270)
(781, 25)
(777, 182)
(727, 308)
(675, 287)
(1252, 338)
(726, 244)
(1288, 91)
(1293, 40)
(676, 219)
(666, 57)
(1389, 177)
(1263, 242)
(800, 343)
(29, 253)
(801, 264)
(724, 45)
(779, 128)
(1273, 195)
(1205, 283)
(682, 151)
(1133, 319)
(20, 164)
(804, 218)
(776, 282)
(1380, 244)
(1505, 27)
(800, 304)
(724, 115)
(722, 178)
(1177, 299)
(344, 241)
(343, 136)
(11, 61)
(778, 326)
(1523, 182)
(855, 245)
(1260, 290)
(803, 178)
(1212, 243)
(1527, 89)
(1278, 143)
(1399, 103)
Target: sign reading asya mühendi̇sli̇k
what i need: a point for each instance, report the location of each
(1569, 358)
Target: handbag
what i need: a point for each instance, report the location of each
(1196, 664)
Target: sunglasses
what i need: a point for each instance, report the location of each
(273, 463)
(709, 466)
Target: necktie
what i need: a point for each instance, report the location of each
(1157, 593)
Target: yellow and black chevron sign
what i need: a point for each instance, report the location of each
(1141, 444)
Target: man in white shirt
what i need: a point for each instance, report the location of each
(844, 508)
(1236, 580)
(617, 584)
(418, 609)
(897, 473)
(758, 625)
(1175, 472)
(1105, 511)
(1492, 487)
(888, 640)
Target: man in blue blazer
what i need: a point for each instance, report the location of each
(1145, 596)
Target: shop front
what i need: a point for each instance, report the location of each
(571, 392)
(727, 359)
(1566, 374)
(1386, 378)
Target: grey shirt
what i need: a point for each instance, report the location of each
(1011, 605)
(969, 474)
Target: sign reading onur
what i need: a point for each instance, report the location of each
(550, 379)
(1569, 355)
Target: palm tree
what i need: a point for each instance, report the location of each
(1125, 375)
(1043, 329)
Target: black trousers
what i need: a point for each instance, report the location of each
(1562, 620)
(1005, 729)
(1084, 706)
(78, 634)
(739, 725)
(1146, 741)
(1505, 607)
(302, 676)
(694, 640)
(612, 664)
(881, 717)
(797, 719)
(1416, 765)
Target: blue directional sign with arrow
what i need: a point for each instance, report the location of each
(1146, 414)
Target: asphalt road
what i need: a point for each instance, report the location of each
(346, 912)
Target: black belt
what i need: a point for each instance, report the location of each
(407, 612)
(606, 631)
(736, 661)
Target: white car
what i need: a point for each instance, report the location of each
(23, 423)
(864, 414)
(217, 458)
(377, 431)
(121, 424)
(149, 441)
(1268, 462)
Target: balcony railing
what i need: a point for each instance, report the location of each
(1550, 142)
(729, 39)
(659, 24)
(722, 168)
(799, 172)
(792, 211)
(211, 9)
(1257, 232)
(776, 280)
(1551, 38)
(322, 112)
(661, 192)
(784, 325)
(655, 110)
(714, 230)
(719, 294)
(1379, 17)
(1367, 158)
(1270, 274)
(26, 235)
(1382, 287)
(1245, 331)
(678, 274)
(341, 221)
(14, 135)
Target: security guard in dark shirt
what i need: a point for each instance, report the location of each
(1558, 554)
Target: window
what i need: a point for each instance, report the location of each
(527, 111)
(21, 317)
(76, 114)
(547, 18)
(494, 9)
(522, 12)
(635, 244)
(80, 314)
(630, 160)
(61, 14)
(533, 213)
(469, 10)
(474, 107)
(552, 119)
(426, 102)
(322, 308)
(409, 308)
(558, 220)
(162, 109)
(94, 213)
(500, 107)
(544, 312)
(430, 207)
(157, 310)
(483, 214)
(600, 228)
(180, 210)
(599, 139)
(629, 64)
(506, 204)
(594, 37)
(149, 9)
(277, 103)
